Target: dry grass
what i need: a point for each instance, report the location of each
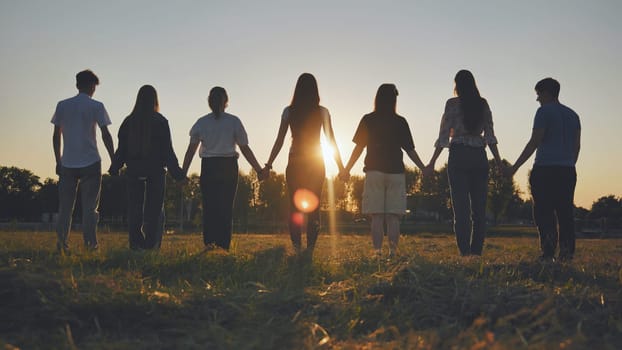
(261, 296)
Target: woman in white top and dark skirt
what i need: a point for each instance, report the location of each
(218, 133)
(466, 129)
(305, 171)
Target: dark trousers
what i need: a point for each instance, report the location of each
(304, 173)
(145, 207)
(552, 189)
(89, 181)
(219, 182)
(468, 181)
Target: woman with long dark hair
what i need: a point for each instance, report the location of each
(385, 134)
(466, 129)
(218, 133)
(305, 173)
(145, 147)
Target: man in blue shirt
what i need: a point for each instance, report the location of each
(556, 139)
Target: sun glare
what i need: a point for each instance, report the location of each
(329, 159)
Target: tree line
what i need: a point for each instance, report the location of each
(24, 197)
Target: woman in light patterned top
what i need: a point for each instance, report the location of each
(466, 129)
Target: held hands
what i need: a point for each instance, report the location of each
(263, 173)
(344, 175)
(111, 171)
(508, 171)
(428, 170)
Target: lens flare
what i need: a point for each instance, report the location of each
(298, 219)
(305, 200)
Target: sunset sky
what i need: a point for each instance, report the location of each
(257, 49)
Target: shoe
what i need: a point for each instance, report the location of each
(391, 255)
(565, 258)
(545, 259)
(92, 248)
(62, 250)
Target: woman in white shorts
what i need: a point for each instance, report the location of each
(385, 134)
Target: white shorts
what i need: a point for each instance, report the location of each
(384, 193)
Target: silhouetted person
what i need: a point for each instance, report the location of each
(385, 134)
(556, 139)
(79, 164)
(466, 129)
(305, 167)
(145, 147)
(218, 133)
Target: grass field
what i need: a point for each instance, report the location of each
(261, 296)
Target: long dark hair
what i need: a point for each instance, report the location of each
(386, 99)
(471, 102)
(306, 95)
(146, 107)
(217, 100)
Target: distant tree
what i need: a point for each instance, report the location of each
(113, 198)
(433, 195)
(413, 178)
(339, 194)
(581, 213)
(17, 194)
(609, 207)
(502, 192)
(47, 196)
(355, 185)
(244, 199)
(182, 201)
(272, 201)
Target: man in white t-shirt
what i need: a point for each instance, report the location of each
(79, 164)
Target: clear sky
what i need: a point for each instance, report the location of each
(257, 49)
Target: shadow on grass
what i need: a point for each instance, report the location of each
(471, 304)
(145, 300)
(271, 300)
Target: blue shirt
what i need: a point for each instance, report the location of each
(561, 126)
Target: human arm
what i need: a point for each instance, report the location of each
(429, 169)
(356, 154)
(443, 136)
(56, 135)
(192, 149)
(536, 138)
(119, 157)
(330, 135)
(107, 138)
(171, 161)
(489, 135)
(495, 153)
(250, 157)
(412, 154)
(278, 143)
(577, 145)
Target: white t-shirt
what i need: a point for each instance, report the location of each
(218, 136)
(77, 117)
